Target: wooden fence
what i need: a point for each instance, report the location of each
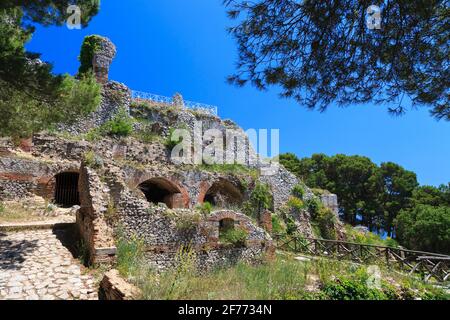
(428, 265)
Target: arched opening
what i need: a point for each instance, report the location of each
(223, 194)
(66, 189)
(226, 225)
(160, 190)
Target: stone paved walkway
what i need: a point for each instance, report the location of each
(35, 265)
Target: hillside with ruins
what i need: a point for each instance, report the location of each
(109, 205)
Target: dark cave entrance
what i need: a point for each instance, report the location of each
(66, 189)
(160, 191)
(224, 194)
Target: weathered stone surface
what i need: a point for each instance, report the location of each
(117, 190)
(35, 265)
(114, 287)
(115, 95)
(103, 58)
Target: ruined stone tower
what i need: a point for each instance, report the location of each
(103, 58)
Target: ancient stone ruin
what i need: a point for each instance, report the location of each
(132, 184)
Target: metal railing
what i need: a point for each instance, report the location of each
(213, 110)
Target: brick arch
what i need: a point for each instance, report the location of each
(222, 188)
(46, 185)
(163, 189)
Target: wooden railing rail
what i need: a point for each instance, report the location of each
(429, 265)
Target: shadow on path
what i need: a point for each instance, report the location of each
(68, 236)
(13, 252)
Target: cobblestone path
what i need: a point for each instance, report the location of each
(35, 265)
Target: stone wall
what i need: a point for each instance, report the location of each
(115, 95)
(331, 201)
(103, 58)
(167, 117)
(114, 287)
(95, 232)
(165, 231)
(20, 177)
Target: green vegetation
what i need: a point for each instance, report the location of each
(284, 278)
(385, 197)
(130, 254)
(184, 221)
(146, 136)
(323, 220)
(260, 199)
(353, 235)
(313, 205)
(425, 228)
(171, 141)
(325, 223)
(24, 115)
(205, 208)
(291, 46)
(21, 212)
(234, 236)
(32, 98)
(278, 225)
(298, 191)
(90, 45)
(121, 125)
(92, 160)
(296, 204)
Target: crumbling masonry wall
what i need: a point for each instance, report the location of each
(95, 232)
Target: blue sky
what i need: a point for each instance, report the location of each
(182, 46)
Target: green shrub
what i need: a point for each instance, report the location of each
(278, 225)
(90, 46)
(319, 192)
(390, 291)
(79, 97)
(291, 227)
(2, 207)
(92, 160)
(205, 208)
(120, 125)
(93, 135)
(354, 235)
(313, 206)
(298, 191)
(437, 294)
(348, 289)
(185, 221)
(70, 99)
(83, 252)
(234, 236)
(325, 221)
(389, 242)
(260, 199)
(296, 204)
(130, 253)
(146, 136)
(111, 214)
(171, 142)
